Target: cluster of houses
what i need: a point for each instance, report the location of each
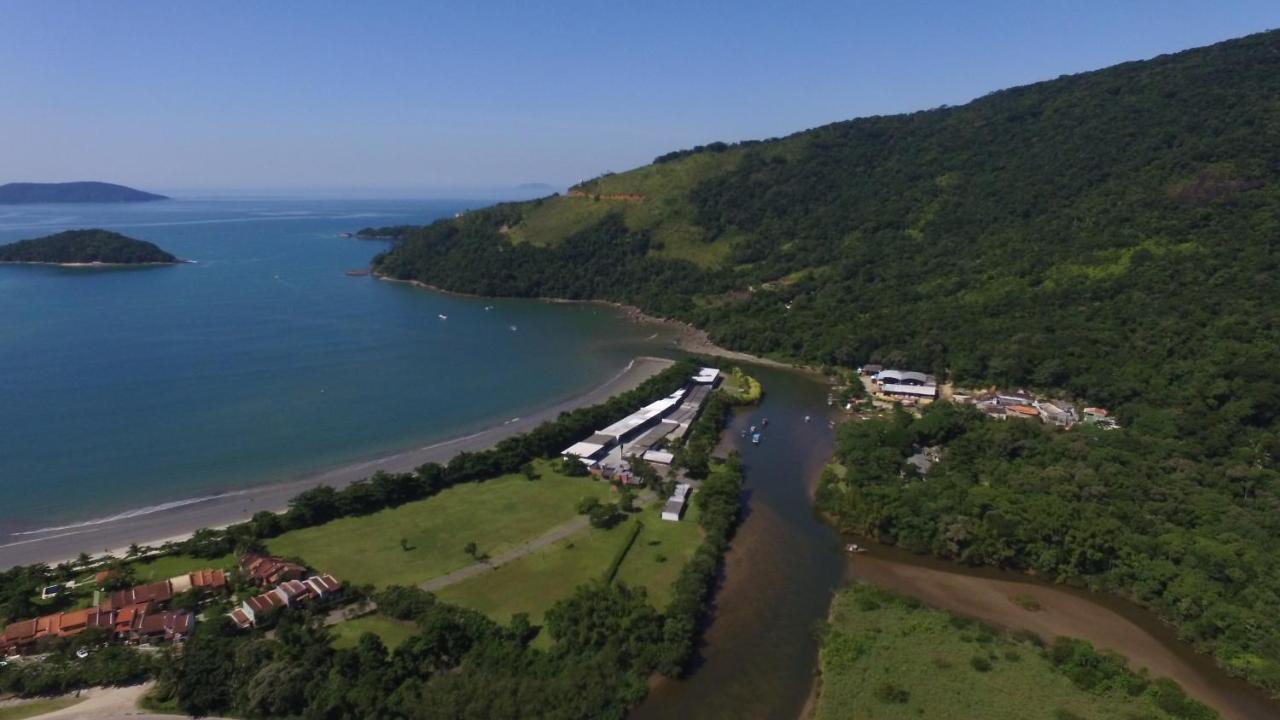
(644, 432)
(1022, 405)
(139, 615)
(910, 387)
(289, 589)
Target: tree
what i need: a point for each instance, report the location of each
(604, 515)
(471, 550)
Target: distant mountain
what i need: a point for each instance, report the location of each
(92, 246)
(72, 192)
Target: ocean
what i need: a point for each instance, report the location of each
(261, 361)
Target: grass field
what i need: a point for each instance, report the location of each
(163, 568)
(535, 582)
(885, 657)
(392, 631)
(497, 515)
(36, 707)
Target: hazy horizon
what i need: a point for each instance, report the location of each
(402, 100)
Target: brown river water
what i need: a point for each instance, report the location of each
(759, 655)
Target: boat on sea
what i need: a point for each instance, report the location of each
(755, 439)
(442, 316)
(487, 308)
(807, 418)
(357, 273)
(513, 328)
(344, 235)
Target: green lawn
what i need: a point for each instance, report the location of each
(660, 552)
(496, 515)
(392, 631)
(36, 707)
(885, 657)
(537, 581)
(163, 568)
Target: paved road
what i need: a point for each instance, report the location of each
(109, 704)
(114, 535)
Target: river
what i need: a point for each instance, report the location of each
(759, 654)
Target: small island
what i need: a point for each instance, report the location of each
(85, 247)
(72, 192)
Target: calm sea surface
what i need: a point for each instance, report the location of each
(262, 361)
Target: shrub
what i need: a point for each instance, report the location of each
(891, 693)
(980, 663)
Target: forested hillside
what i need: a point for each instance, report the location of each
(1113, 236)
(85, 246)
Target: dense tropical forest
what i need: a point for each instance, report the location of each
(85, 246)
(1112, 236)
(72, 192)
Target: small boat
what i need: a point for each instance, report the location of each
(854, 548)
(807, 418)
(442, 316)
(487, 308)
(357, 273)
(755, 439)
(344, 235)
(513, 328)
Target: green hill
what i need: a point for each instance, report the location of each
(1113, 236)
(1111, 233)
(85, 246)
(72, 192)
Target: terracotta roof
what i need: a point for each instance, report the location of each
(21, 630)
(209, 579)
(294, 589)
(240, 618)
(1024, 410)
(324, 584)
(154, 592)
(167, 622)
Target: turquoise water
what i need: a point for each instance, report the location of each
(262, 361)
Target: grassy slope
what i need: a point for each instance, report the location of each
(876, 640)
(497, 515)
(535, 582)
(665, 211)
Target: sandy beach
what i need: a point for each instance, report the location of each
(178, 520)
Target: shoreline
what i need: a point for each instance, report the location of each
(178, 520)
(95, 264)
(689, 338)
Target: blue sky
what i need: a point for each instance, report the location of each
(435, 98)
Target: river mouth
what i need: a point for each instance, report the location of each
(759, 654)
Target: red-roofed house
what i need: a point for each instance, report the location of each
(159, 593)
(267, 570)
